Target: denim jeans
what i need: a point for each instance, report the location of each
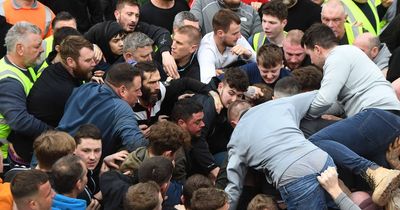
(306, 193)
(367, 134)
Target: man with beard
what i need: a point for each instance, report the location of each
(23, 42)
(223, 47)
(294, 54)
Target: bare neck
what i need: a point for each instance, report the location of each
(221, 47)
(16, 60)
(25, 3)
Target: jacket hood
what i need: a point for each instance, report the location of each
(134, 159)
(64, 202)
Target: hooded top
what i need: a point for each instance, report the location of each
(66, 203)
(100, 34)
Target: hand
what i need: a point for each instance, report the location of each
(98, 80)
(214, 174)
(169, 65)
(94, 205)
(111, 160)
(219, 72)
(145, 130)
(393, 153)
(99, 73)
(330, 182)
(256, 93)
(256, 5)
(330, 117)
(241, 51)
(179, 207)
(98, 54)
(217, 101)
(386, 3)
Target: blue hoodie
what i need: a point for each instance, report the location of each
(66, 203)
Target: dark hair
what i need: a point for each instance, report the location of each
(26, 183)
(223, 18)
(66, 172)
(319, 34)
(142, 196)
(71, 46)
(184, 109)
(122, 3)
(87, 131)
(122, 74)
(266, 90)
(286, 86)
(309, 77)
(275, 8)
(208, 199)
(62, 16)
(167, 136)
(146, 67)
(236, 78)
(193, 183)
(62, 33)
(192, 32)
(269, 56)
(158, 169)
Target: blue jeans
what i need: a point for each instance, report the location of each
(306, 193)
(367, 134)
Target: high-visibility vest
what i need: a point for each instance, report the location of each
(47, 45)
(10, 71)
(259, 39)
(352, 32)
(354, 13)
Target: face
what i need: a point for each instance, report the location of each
(128, 17)
(116, 44)
(89, 150)
(31, 49)
(83, 66)
(182, 46)
(334, 18)
(315, 56)
(195, 124)
(230, 38)
(294, 55)
(228, 94)
(65, 23)
(270, 75)
(132, 93)
(45, 196)
(143, 54)
(272, 26)
(151, 87)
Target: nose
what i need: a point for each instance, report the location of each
(173, 45)
(92, 156)
(139, 93)
(149, 58)
(202, 124)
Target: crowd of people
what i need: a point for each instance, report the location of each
(199, 105)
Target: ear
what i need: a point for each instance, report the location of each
(70, 62)
(181, 123)
(127, 56)
(284, 22)
(19, 49)
(57, 48)
(233, 123)
(374, 52)
(220, 33)
(194, 48)
(32, 204)
(116, 14)
(168, 154)
(182, 199)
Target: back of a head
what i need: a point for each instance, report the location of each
(223, 19)
(136, 40)
(66, 172)
(262, 202)
(181, 17)
(236, 109)
(236, 78)
(51, 146)
(158, 169)
(25, 185)
(321, 35)
(294, 37)
(87, 131)
(275, 8)
(287, 86)
(63, 33)
(143, 196)
(18, 33)
(121, 74)
(208, 199)
(269, 56)
(309, 77)
(193, 183)
(184, 109)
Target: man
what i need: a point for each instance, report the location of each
(185, 18)
(143, 196)
(137, 47)
(15, 11)
(350, 77)
(109, 107)
(274, 20)
(31, 190)
(51, 91)
(375, 50)
(186, 41)
(23, 42)
(209, 198)
(206, 10)
(334, 15)
(294, 54)
(224, 46)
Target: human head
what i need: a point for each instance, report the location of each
(317, 40)
(210, 199)
(158, 169)
(137, 47)
(24, 42)
(267, 94)
(286, 86)
(293, 52)
(262, 202)
(125, 81)
(127, 14)
(193, 183)
(88, 145)
(188, 114)
(63, 19)
(185, 18)
(143, 196)
(230, 4)
(233, 85)
(333, 15)
(69, 175)
(186, 41)
(309, 77)
(31, 189)
(51, 146)
(78, 55)
(368, 43)
(236, 110)
(61, 34)
(226, 26)
(150, 81)
(270, 62)
(113, 42)
(274, 18)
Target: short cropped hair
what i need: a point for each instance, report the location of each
(262, 202)
(181, 16)
(158, 169)
(136, 40)
(309, 77)
(51, 146)
(275, 8)
(269, 56)
(142, 196)
(26, 184)
(208, 199)
(146, 67)
(167, 136)
(62, 16)
(71, 46)
(184, 109)
(236, 78)
(294, 36)
(223, 19)
(66, 172)
(121, 4)
(193, 183)
(87, 131)
(287, 86)
(18, 33)
(236, 109)
(122, 74)
(319, 34)
(191, 32)
(63, 33)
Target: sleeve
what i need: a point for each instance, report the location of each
(345, 203)
(206, 59)
(160, 36)
(196, 11)
(14, 109)
(302, 103)
(202, 156)
(244, 43)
